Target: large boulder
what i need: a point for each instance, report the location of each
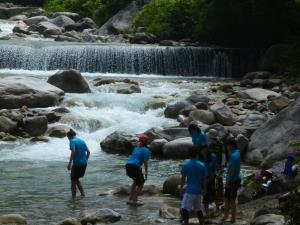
(270, 142)
(279, 103)
(257, 94)
(170, 186)
(7, 125)
(129, 89)
(126, 190)
(194, 99)
(178, 149)
(121, 22)
(7, 12)
(16, 92)
(156, 147)
(35, 126)
(203, 116)
(104, 215)
(48, 28)
(73, 16)
(12, 219)
(143, 38)
(58, 131)
(223, 114)
(35, 20)
(269, 219)
(70, 221)
(119, 143)
(169, 134)
(84, 23)
(70, 81)
(62, 21)
(172, 111)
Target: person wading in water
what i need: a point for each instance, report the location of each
(140, 156)
(78, 162)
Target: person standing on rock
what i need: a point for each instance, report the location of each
(78, 162)
(216, 146)
(210, 161)
(199, 136)
(233, 179)
(194, 174)
(139, 157)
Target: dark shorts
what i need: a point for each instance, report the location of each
(232, 190)
(136, 174)
(210, 196)
(77, 172)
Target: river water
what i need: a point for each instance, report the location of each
(34, 180)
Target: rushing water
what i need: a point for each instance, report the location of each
(6, 27)
(34, 180)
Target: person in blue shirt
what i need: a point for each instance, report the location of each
(194, 174)
(210, 161)
(199, 136)
(139, 157)
(233, 179)
(78, 162)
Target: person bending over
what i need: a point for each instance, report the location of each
(194, 174)
(233, 179)
(78, 162)
(140, 156)
(199, 136)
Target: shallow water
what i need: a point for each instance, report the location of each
(34, 179)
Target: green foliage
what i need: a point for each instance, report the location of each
(295, 145)
(248, 23)
(99, 10)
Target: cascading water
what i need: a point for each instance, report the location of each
(126, 59)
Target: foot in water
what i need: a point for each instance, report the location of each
(135, 203)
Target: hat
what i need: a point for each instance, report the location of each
(213, 134)
(143, 140)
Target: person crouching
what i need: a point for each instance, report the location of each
(139, 157)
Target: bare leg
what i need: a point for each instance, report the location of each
(73, 188)
(79, 185)
(206, 210)
(133, 191)
(233, 211)
(137, 193)
(226, 209)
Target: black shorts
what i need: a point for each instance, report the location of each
(135, 173)
(232, 190)
(77, 172)
(210, 196)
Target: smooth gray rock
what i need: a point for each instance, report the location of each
(6, 13)
(223, 114)
(203, 116)
(178, 149)
(14, 219)
(269, 219)
(270, 142)
(129, 89)
(172, 111)
(16, 92)
(278, 104)
(73, 16)
(257, 94)
(169, 134)
(18, 18)
(194, 99)
(35, 126)
(70, 81)
(58, 131)
(70, 221)
(62, 21)
(104, 215)
(170, 186)
(35, 20)
(47, 27)
(119, 143)
(126, 190)
(84, 23)
(156, 147)
(7, 125)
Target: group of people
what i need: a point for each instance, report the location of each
(202, 177)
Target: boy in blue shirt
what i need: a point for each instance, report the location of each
(233, 179)
(194, 173)
(199, 137)
(140, 156)
(209, 159)
(78, 162)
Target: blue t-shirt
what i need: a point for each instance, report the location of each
(211, 166)
(199, 139)
(139, 156)
(195, 172)
(234, 161)
(80, 148)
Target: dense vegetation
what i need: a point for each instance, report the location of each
(99, 10)
(251, 23)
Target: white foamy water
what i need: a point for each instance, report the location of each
(6, 27)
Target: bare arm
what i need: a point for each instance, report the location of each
(88, 153)
(72, 156)
(182, 183)
(146, 169)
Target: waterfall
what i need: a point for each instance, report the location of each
(129, 59)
